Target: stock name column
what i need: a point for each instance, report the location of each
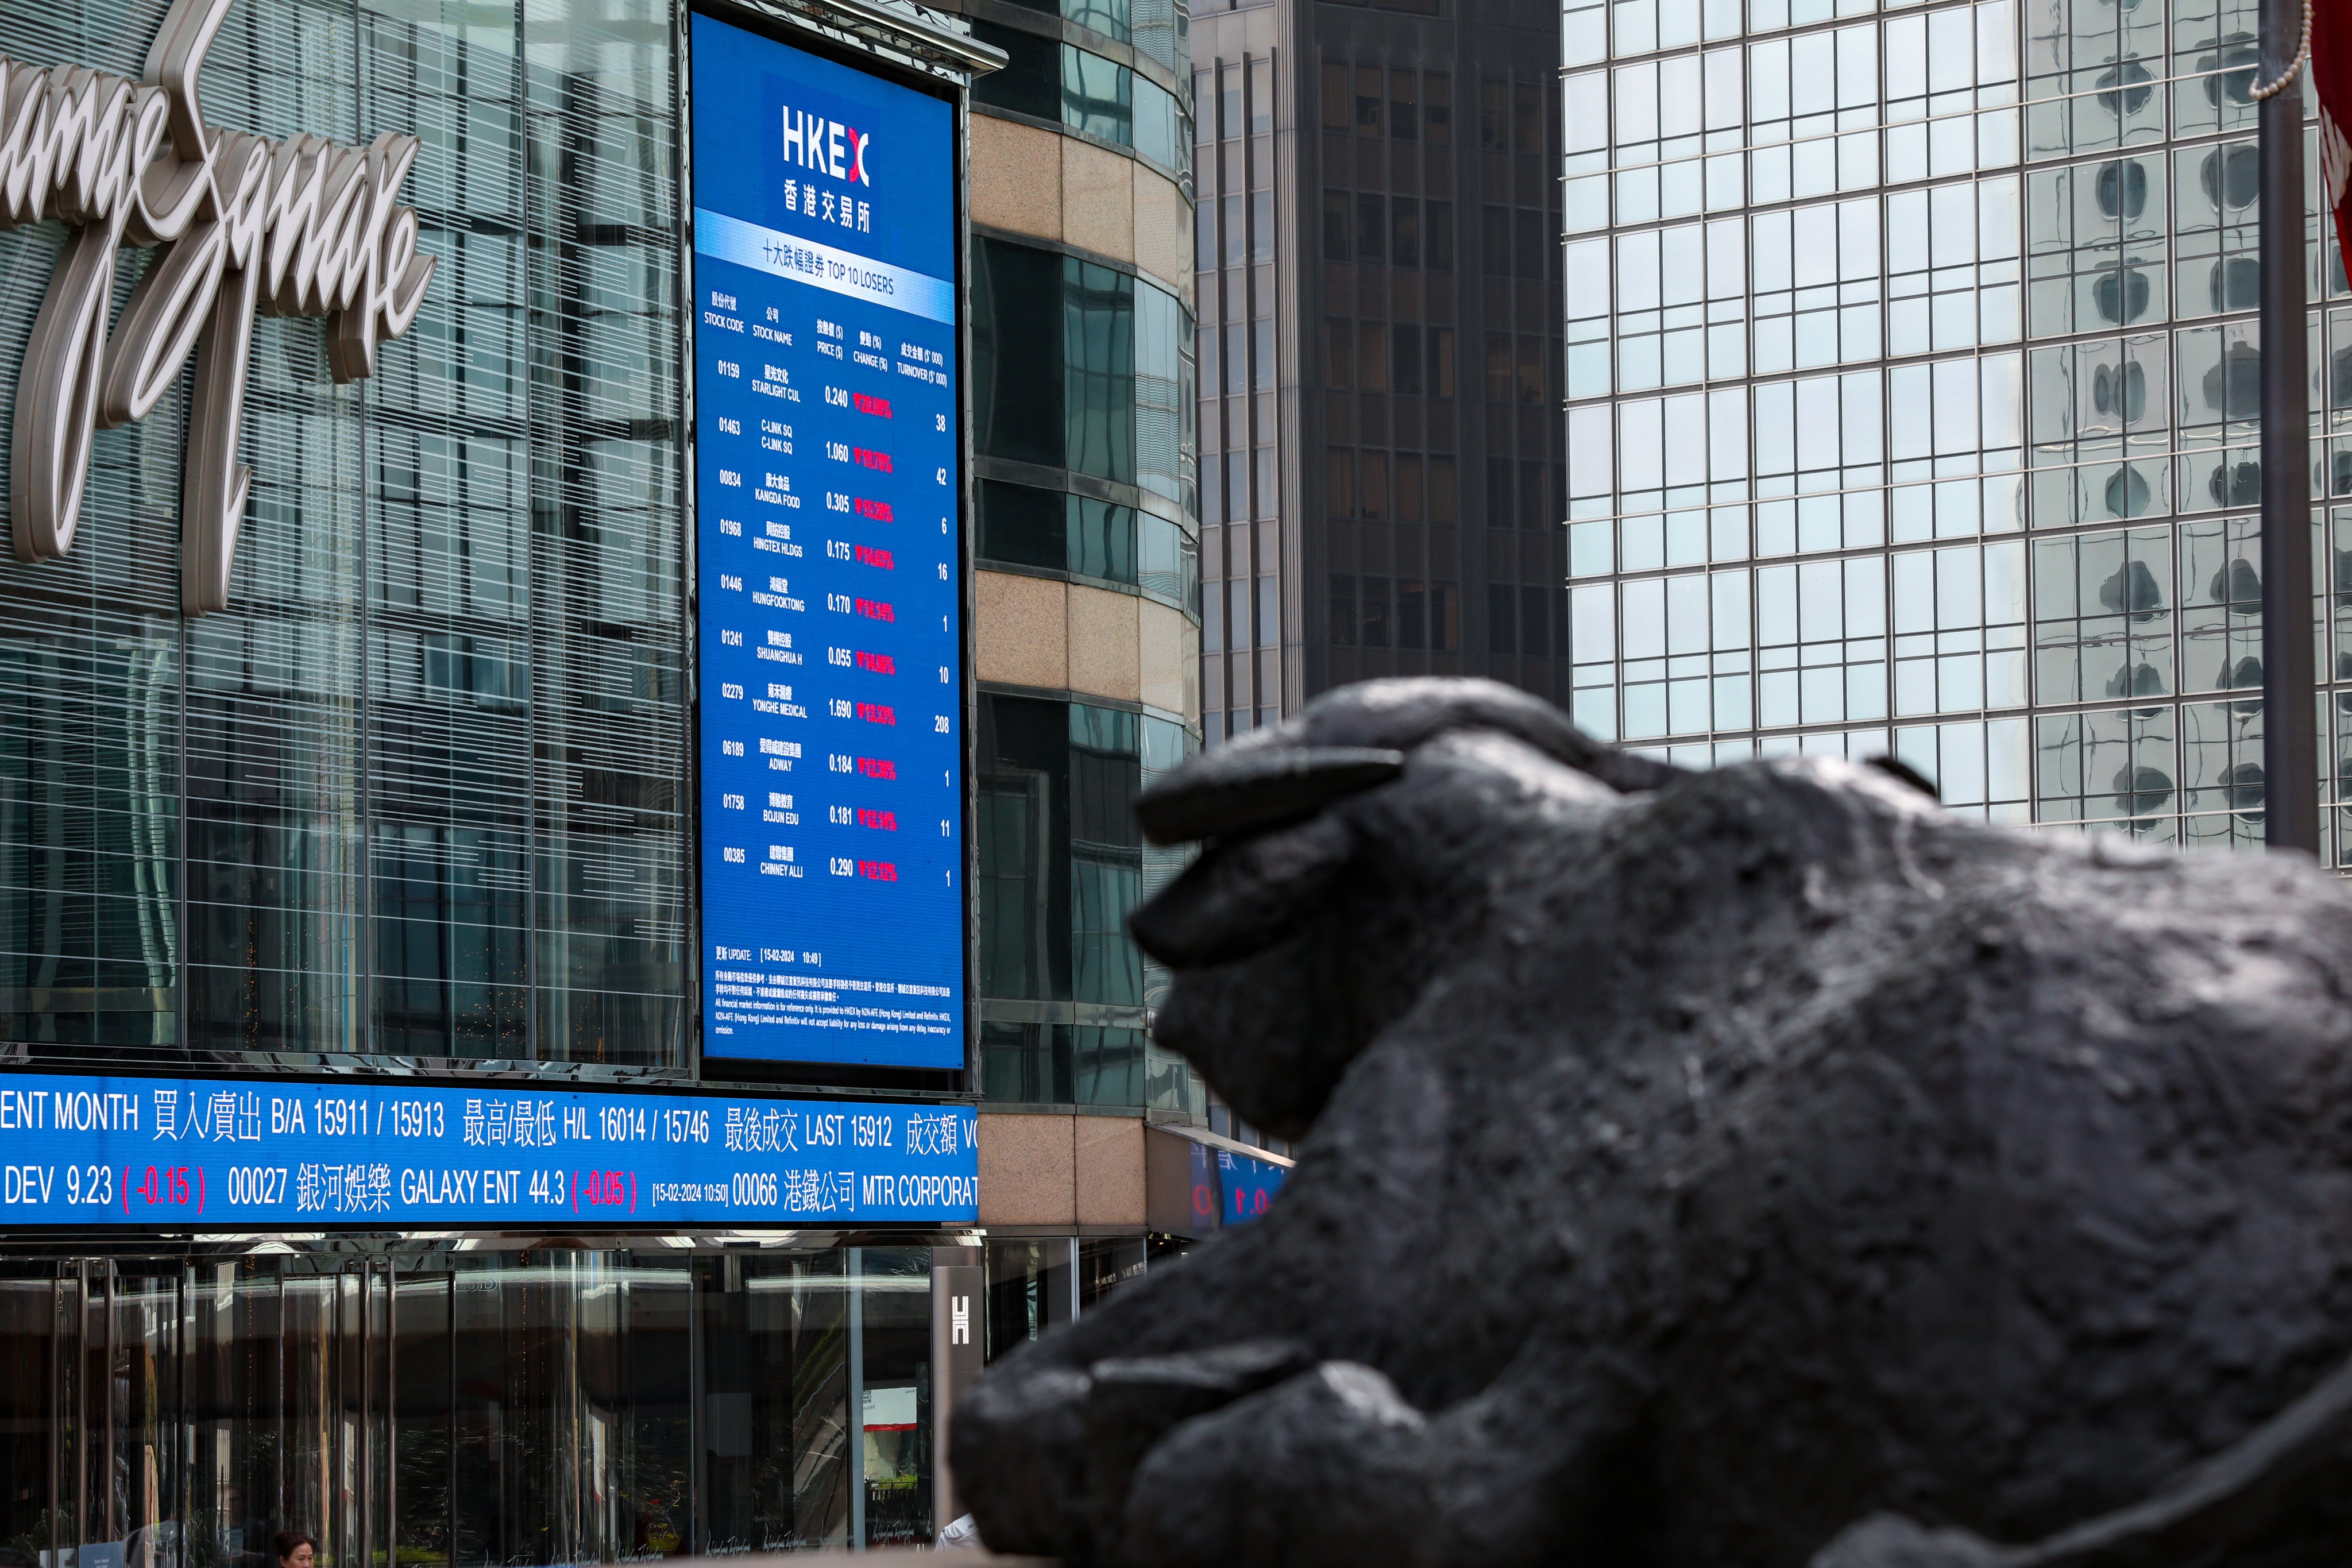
(829, 573)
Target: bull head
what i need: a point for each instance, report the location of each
(1345, 853)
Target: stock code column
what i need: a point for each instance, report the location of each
(829, 572)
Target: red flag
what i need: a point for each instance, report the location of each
(2331, 82)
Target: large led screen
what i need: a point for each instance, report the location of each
(272, 1154)
(826, 473)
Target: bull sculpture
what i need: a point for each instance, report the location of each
(1737, 1169)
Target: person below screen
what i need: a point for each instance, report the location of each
(296, 1550)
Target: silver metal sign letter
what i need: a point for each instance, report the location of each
(303, 227)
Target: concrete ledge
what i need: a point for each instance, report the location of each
(1028, 1170)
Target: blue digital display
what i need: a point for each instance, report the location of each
(1232, 1189)
(231, 1155)
(827, 468)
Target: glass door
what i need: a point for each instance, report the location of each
(284, 1409)
(816, 1399)
(570, 1410)
(463, 1410)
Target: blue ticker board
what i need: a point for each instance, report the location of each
(828, 464)
(235, 1154)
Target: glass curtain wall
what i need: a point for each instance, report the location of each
(1913, 380)
(1083, 407)
(1083, 424)
(1241, 633)
(1061, 864)
(415, 791)
(542, 1408)
(1402, 304)
(1087, 88)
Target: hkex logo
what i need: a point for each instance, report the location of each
(813, 141)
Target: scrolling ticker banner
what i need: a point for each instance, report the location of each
(828, 464)
(234, 1154)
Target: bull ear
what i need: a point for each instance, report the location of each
(1242, 898)
(1244, 788)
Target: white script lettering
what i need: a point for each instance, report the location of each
(302, 226)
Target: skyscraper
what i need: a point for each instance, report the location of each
(1913, 385)
(1380, 327)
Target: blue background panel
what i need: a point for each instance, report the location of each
(234, 1154)
(828, 465)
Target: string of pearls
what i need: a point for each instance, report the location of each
(2302, 56)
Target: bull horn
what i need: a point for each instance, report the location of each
(1242, 789)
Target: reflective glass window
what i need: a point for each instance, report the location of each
(1107, 17)
(1098, 95)
(1018, 391)
(1098, 358)
(1030, 82)
(417, 788)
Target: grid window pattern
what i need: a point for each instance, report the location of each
(1090, 381)
(1060, 865)
(1241, 641)
(1085, 91)
(1084, 368)
(418, 790)
(1933, 324)
(1807, 114)
(1423, 364)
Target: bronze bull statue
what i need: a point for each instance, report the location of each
(1738, 1169)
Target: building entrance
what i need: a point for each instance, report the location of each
(463, 1407)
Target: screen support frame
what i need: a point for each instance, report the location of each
(899, 48)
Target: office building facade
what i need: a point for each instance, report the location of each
(379, 821)
(1379, 349)
(1089, 594)
(1912, 398)
(1088, 586)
